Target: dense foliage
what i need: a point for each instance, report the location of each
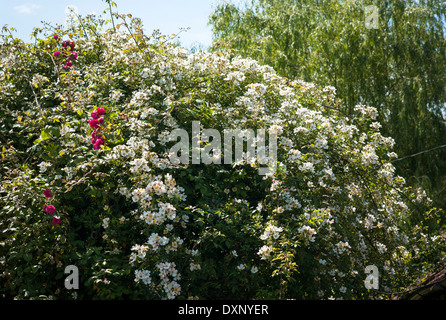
(399, 67)
(86, 178)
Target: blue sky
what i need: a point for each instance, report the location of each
(167, 15)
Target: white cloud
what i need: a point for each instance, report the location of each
(26, 8)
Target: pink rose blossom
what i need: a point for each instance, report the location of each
(56, 220)
(101, 120)
(73, 56)
(95, 134)
(94, 115)
(96, 146)
(56, 53)
(98, 143)
(50, 209)
(94, 123)
(67, 43)
(100, 111)
(47, 193)
(56, 37)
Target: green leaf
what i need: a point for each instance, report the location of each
(45, 135)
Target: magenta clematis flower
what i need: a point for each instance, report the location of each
(48, 193)
(56, 220)
(50, 209)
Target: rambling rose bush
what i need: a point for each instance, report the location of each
(87, 180)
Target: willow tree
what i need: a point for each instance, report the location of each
(397, 65)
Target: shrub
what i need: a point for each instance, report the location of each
(87, 178)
